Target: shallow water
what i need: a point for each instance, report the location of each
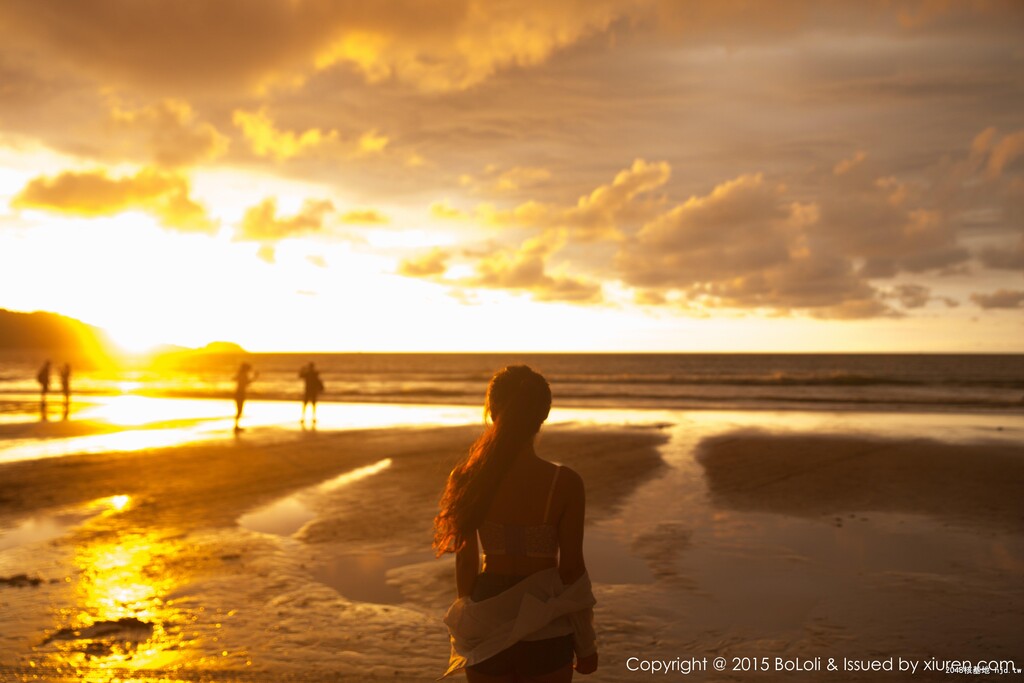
(133, 423)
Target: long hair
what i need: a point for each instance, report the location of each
(518, 401)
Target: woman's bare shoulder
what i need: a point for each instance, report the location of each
(570, 479)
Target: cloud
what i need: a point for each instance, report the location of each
(367, 216)
(445, 211)
(882, 222)
(525, 269)
(737, 21)
(527, 272)
(431, 264)
(94, 193)
(1005, 152)
(513, 179)
(173, 47)
(267, 253)
(519, 177)
(371, 142)
(739, 226)
(267, 141)
(1003, 298)
(171, 132)
(599, 214)
(1010, 257)
(477, 41)
(911, 296)
(744, 245)
(823, 286)
(261, 222)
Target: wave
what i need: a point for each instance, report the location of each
(837, 378)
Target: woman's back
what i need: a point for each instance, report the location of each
(519, 534)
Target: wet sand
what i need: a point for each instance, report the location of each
(970, 484)
(290, 555)
(141, 535)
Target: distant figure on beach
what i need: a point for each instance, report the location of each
(528, 515)
(243, 378)
(65, 387)
(43, 377)
(314, 386)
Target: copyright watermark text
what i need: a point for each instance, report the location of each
(692, 665)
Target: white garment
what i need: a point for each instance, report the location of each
(538, 607)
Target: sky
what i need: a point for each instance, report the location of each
(580, 175)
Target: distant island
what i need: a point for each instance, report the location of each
(51, 332)
(222, 347)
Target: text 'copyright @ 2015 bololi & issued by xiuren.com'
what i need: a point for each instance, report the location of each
(695, 665)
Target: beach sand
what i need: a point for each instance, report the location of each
(290, 555)
(147, 548)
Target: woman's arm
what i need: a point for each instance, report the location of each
(570, 528)
(571, 565)
(467, 566)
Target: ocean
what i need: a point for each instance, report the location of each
(908, 382)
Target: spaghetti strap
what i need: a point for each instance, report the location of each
(551, 492)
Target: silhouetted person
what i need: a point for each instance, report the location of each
(65, 387)
(44, 386)
(314, 386)
(243, 378)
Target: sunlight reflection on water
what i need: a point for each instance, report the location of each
(146, 422)
(123, 619)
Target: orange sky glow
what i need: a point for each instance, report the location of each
(586, 175)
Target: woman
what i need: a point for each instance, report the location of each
(525, 615)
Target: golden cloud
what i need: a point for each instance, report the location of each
(93, 193)
(445, 211)
(262, 223)
(431, 264)
(431, 46)
(597, 215)
(268, 141)
(525, 269)
(371, 142)
(368, 216)
(508, 180)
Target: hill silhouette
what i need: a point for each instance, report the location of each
(51, 332)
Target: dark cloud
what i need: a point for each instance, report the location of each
(1003, 298)
(1010, 257)
(911, 296)
(881, 221)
